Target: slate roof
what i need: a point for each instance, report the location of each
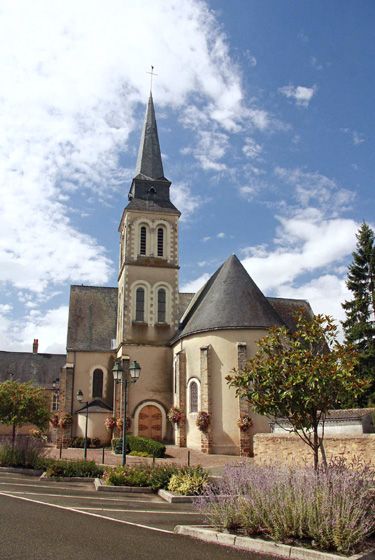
(155, 205)
(92, 318)
(286, 309)
(97, 405)
(230, 299)
(149, 162)
(40, 369)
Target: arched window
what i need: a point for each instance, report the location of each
(97, 384)
(193, 397)
(143, 240)
(55, 402)
(140, 305)
(162, 304)
(160, 242)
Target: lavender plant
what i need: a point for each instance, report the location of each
(332, 509)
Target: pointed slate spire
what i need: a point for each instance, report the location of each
(149, 163)
(229, 300)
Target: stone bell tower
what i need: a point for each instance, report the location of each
(147, 313)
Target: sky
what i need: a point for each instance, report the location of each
(266, 125)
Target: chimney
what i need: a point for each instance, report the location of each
(35, 346)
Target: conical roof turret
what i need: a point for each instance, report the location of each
(229, 300)
(149, 162)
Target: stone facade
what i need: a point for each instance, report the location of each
(289, 449)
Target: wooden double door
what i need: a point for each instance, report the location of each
(150, 422)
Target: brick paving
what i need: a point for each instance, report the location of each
(178, 455)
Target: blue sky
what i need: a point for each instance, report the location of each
(266, 124)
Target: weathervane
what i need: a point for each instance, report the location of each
(152, 74)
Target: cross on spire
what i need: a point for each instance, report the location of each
(152, 74)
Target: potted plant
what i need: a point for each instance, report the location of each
(244, 423)
(175, 415)
(203, 421)
(65, 421)
(54, 421)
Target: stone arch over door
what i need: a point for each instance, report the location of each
(150, 420)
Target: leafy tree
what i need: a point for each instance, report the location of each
(299, 376)
(359, 326)
(22, 403)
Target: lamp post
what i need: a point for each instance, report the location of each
(80, 400)
(123, 376)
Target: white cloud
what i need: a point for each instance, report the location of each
(313, 188)
(195, 285)
(357, 137)
(301, 94)
(251, 149)
(49, 328)
(221, 235)
(185, 201)
(305, 244)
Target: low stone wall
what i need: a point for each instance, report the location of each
(289, 449)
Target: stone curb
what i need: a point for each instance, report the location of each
(100, 487)
(67, 478)
(21, 470)
(174, 498)
(209, 534)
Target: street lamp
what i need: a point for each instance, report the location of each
(125, 376)
(80, 400)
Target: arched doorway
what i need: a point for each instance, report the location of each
(150, 422)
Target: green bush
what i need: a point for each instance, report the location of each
(156, 477)
(27, 453)
(135, 443)
(74, 468)
(139, 454)
(188, 483)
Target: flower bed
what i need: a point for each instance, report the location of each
(136, 444)
(331, 510)
(72, 469)
(156, 477)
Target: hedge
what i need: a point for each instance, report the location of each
(139, 444)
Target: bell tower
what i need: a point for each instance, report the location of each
(148, 264)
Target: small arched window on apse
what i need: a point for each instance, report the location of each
(160, 240)
(97, 384)
(193, 396)
(140, 304)
(143, 240)
(162, 305)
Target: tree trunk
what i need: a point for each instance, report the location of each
(316, 447)
(13, 437)
(323, 452)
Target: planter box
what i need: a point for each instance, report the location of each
(209, 534)
(22, 470)
(174, 498)
(100, 487)
(68, 478)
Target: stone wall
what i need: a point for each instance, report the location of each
(289, 449)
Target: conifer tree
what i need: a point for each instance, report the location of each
(359, 326)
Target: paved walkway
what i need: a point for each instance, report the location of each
(178, 455)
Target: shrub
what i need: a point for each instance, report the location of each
(135, 443)
(331, 510)
(74, 468)
(139, 454)
(188, 483)
(156, 477)
(27, 453)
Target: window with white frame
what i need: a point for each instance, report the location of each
(143, 240)
(193, 396)
(97, 384)
(162, 305)
(160, 242)
(55, 401)
(140, 304)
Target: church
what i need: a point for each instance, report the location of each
(186, 344)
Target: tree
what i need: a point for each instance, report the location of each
(22, 403)
(299, 376)
(359, 326)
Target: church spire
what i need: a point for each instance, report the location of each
(149, 163)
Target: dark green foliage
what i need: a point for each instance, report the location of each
(26, 453)
(134, 443)
(359, 326)
(75, 468)
(22, 403)
(154, 476)
(80, 442)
